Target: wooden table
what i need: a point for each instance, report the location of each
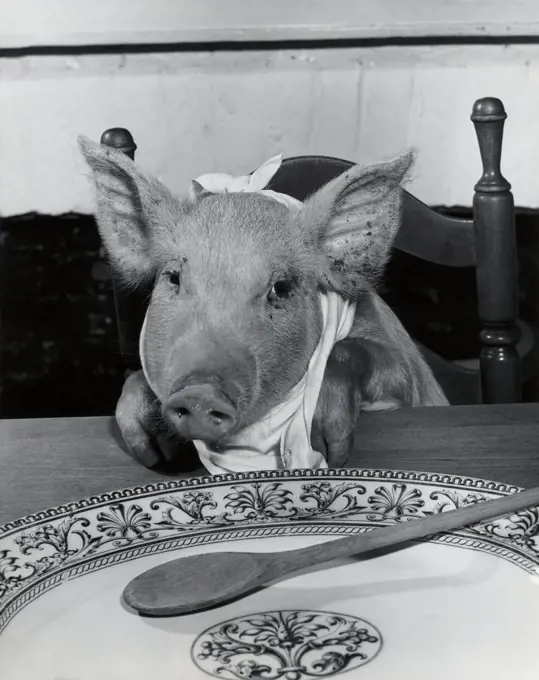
(44, 463)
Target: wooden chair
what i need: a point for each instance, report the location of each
(487, 242)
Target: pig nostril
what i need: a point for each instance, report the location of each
(200, 412)
(218, 415)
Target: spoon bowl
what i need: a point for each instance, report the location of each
(156, 592)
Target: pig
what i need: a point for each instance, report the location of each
(234, 315)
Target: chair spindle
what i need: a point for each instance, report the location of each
(126, 306)
(494, 228)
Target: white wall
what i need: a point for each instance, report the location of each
(202, 112)
(196, 112)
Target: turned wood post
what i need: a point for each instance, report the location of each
(496, 261)
(127, 306)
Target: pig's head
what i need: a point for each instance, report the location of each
(234, 315)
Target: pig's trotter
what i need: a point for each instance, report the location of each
(336, 413)
(138, 416)
(317, 439)
(338, 452)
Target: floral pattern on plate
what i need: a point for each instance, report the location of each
(39, 551)
(291, 645)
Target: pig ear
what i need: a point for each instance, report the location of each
(355, 219)
(130, 205)
(197, 192)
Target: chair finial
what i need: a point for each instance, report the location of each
(488, 117)
(488, 109)
(121, 139)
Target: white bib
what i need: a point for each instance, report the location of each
(282, 439)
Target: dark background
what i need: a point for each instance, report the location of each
(59, 344)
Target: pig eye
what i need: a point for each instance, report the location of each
(173, 278)
(281, 290)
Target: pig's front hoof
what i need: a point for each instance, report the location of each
(201, 412)
(338, 452)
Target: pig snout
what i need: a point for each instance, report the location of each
(201, 412)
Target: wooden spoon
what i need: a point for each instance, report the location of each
(190, 584)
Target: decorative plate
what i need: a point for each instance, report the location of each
(458, 605)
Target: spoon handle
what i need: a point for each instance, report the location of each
(406, 531)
